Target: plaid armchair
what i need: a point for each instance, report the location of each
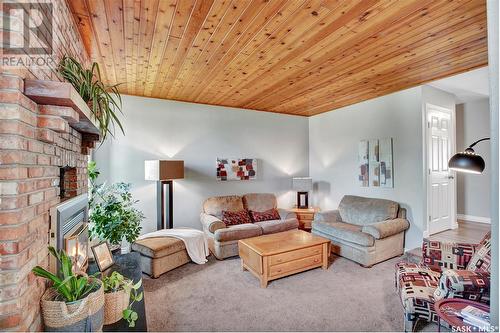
(447, 270)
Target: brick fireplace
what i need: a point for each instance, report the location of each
(37, 141)
(36, 145)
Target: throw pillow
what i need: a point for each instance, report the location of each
(234, 218)
(271, 214)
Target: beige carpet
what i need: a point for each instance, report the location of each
(219, 296)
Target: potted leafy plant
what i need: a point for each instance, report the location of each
(112, 213)
(74, 301)
(118, 290)
(103, 100)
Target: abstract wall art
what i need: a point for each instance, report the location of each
(375, 163)
(374, 166)
(363, 163)
(236, 168)
(385, 162)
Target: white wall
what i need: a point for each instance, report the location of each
(473, 191)
(198, 134)
(493, 14)
(324, 146)
(333, 151)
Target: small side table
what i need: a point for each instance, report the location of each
(305, 216)
(129, 266)
(448, 309)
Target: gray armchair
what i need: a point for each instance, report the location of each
(364, 230)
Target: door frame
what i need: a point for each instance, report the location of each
(426, 170)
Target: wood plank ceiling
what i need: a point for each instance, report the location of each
(300, 57)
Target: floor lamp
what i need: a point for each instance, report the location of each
(468, 160)
(164, 172)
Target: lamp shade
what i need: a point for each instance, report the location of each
(302, 184)
(467, 161)
(163, 170)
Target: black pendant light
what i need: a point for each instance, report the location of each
(468, 161)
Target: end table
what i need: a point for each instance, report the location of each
(305, 216)
(448, 309)
(129, 266)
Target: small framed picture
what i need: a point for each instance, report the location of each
(102, 256)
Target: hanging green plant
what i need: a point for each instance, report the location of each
(104, 101)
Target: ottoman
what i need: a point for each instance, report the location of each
(160, 254)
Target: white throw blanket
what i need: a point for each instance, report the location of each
(195, 241)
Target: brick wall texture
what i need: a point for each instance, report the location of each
(35, 142)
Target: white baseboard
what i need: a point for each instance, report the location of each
(478, 219)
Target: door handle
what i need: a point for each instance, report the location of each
(451, 177)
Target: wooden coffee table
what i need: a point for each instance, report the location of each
(274, 256)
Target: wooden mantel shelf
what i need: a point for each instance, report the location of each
(62, 94)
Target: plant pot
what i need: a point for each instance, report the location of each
(84, 315)
(114, 304)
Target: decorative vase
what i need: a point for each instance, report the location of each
(84, 315)
(125, 247)
(114, 304)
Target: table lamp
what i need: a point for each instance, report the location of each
(164, 172)
(302, 185)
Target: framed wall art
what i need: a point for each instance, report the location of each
(236, 169)
(375, 163)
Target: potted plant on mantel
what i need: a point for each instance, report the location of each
(113, 216)
(120, 294)
(74, 301)
(103, 100)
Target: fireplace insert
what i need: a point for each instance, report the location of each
(69, 231)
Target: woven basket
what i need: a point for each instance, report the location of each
(85, 315)
(114, 304)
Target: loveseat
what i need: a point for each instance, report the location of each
(365, 230)
(223, 239)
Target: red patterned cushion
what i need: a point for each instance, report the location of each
(271, 214)
(440, 256)
(233, 218)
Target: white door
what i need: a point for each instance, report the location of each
(441, 183)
